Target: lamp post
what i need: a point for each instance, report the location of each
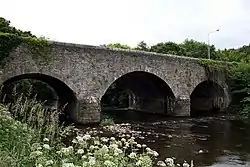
(208, 42)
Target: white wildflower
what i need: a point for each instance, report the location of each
(148, 149)
(185, 164)
(84, 157)
(155, 153)
(105, 148)
(68, 165)
(108, 163)
(92, 160)
(46, 146)
(117, 151)
(45, 139)
(169, 161)
(86, 137)
(138, 145)
(80, 151)
(113, 146)
(104, 139)
(123, 140)
(71, 148)
(126, 144)
(35, 154)
(161, 164)
(91, 147)
(132, 155)
(138, 163)
(65, 151)
(74, 141)
(79, 138)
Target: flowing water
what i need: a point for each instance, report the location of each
(218, 141)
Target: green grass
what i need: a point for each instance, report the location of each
(107, 122)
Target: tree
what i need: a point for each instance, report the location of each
(118, 45)
(168, 48)
(5, 27)
(232, 55)
(197, 49)
(245, 49)
(142, 46)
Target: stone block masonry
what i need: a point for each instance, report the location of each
(88, 71)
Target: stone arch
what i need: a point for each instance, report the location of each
(66, 98)
(208, 97)
(150, 94)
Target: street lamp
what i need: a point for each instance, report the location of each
(208, 42)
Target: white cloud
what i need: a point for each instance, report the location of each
(130, 21)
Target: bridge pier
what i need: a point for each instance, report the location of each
(87, 111)
(182, 106)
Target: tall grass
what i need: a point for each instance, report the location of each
(22, 123)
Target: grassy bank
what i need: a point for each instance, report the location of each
(31, 136)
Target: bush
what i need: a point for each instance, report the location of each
(239, 79)
(107, 122)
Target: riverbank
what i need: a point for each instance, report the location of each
(29, 138)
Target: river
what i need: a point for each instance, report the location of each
(217, 141)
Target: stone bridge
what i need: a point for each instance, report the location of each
(81, 76)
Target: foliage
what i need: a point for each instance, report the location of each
(142, 46)
(190, 48)
(233, 55)
(23, 123)
(10, 38)
(107, 121)
(197, 49)
(168, 48)
(238, 76)
(25, 143)
(214, 65)
(6, 28)
(239, 79)
(118, 45)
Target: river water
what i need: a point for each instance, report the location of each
(218, 141)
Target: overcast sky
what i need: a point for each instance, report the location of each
(96, 22)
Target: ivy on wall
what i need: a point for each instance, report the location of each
(238, 79)
(38, 47)
(11, 38)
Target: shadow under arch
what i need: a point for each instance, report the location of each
(138, 91)
(207, 98)
(66, 99)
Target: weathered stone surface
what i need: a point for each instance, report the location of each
(89, 70)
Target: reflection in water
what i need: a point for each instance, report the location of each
(217, 141)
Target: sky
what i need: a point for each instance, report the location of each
(97, 22)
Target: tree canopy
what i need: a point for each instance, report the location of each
(5, 27)
(192, 48)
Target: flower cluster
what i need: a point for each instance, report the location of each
(88, 151)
